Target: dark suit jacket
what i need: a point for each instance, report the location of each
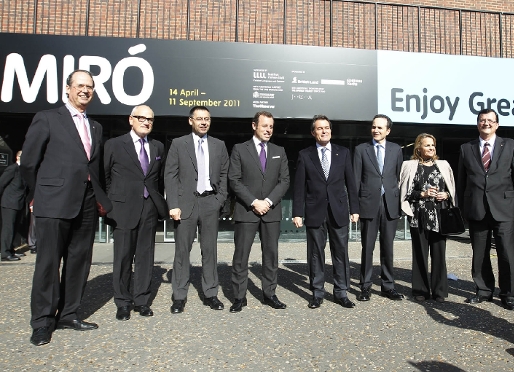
(313, 194)
(369, 179)
(125, 180)
(496, 186)
(12, 188)
(248, 182)
(55, 165)
(181, 174)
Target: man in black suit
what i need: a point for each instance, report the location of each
(134, 168)
(377, 165)
(13, 192)
(259, 178)
(485, 193)
(325, 194)
(196, 190)
(62, 156)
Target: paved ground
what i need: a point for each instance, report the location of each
(378, 335)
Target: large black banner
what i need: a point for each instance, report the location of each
(171, 76)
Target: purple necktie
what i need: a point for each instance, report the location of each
(143, 159)
(262, 156)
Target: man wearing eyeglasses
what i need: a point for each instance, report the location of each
(485, 194)
(134, 169)
(196, 189)
(61, 165)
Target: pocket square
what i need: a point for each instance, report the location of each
(158, 158)
(276, 157)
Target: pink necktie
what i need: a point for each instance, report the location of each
(83, 135)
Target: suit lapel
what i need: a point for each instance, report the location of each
(153, 153)
(129, 147)
(317, 163)
(498, 149)
(213, 150)
(370, 150)
(475, 149)
(68, 124)
(190, 148)
(250, 146)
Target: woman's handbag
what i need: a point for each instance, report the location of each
(450, 221)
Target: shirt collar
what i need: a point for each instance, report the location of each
(73, 111)
(490, 141)
(135, 137)
(258, 141)
(196, 137)
(328, 146)
(375, 143)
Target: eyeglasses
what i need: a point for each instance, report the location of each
(207, 120)
(81, 87)
(142, 119)
(488, 121)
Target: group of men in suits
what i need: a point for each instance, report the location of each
(64, 168)
(328, 189)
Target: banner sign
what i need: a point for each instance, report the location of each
(238, 79)
(171, 76)
(444, 89)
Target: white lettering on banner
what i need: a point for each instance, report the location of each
(436, 104)
(15, 67)
(119, 72)
(85, 63)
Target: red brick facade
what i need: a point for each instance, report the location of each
(479, 27)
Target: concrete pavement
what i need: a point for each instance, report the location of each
(380, 335)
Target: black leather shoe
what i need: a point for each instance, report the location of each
(392, 294)
(238, 305)
(345, 302)
(214, 303)
(123, 313)
(508, 303)
(19, 255)
(10, 258)
(178, 306)
(33, 250)
(77, 325)
(364, 295)
(476, 299)
(274, 302)
(315, 302)
(143, 310)
(41, 336)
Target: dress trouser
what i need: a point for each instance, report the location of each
(57, 297)
(369, 231)
(481, 269)
(135, 245)
(244, 234)
(10, 219)
(204, 217)
(338, 242)
(32, 237)
(423, 242)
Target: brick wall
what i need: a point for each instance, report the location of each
(393, 25)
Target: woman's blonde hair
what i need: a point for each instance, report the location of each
(416, 155)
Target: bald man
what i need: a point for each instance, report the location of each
(134, 166)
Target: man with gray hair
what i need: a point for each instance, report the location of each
(134, 169)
